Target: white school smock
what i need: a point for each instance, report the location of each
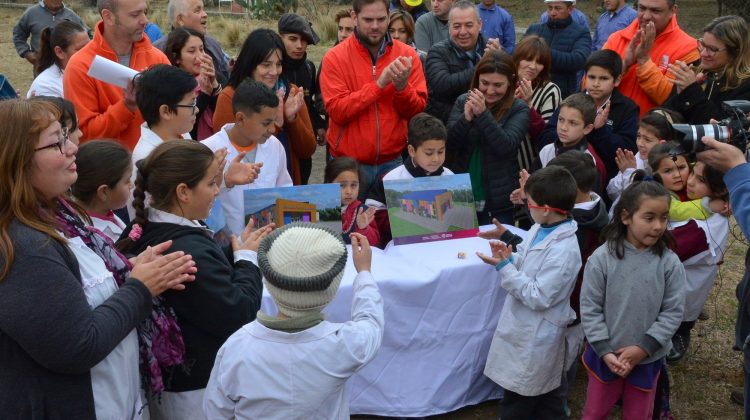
(272, 174)
(146, 144)
(528, 350)
(115, 381)
(260, 373)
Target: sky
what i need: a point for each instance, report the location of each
(448, 182)
(322, 195)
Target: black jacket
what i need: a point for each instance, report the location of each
(499, 143)
(570, 44)
(224, 297)
(302, 73)
(448, 72)
(619, 132)
(698, 105)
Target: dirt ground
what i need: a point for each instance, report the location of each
(701, 382)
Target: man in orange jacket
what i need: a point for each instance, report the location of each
(648, 46)
(104, 110)
(372, 86)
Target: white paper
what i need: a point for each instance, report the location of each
(111, 72)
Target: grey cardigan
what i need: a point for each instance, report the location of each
(49, 335)
(637, 300)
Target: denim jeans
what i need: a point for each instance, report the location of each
(371, 173)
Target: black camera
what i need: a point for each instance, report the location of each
(734, 130)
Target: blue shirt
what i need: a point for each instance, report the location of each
(578, 17)
(610, 23)
(738, 184)
(153, 32)
(498, 23)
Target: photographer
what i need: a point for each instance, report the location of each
(732, 162)
(724, 72)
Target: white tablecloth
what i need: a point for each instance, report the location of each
(440, 315)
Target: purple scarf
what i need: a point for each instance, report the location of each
(159, 336)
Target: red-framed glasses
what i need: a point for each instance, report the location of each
(556, 210)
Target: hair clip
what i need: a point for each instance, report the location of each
(662, 141)
(135, 232)
(648, 178)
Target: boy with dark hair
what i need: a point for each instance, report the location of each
(573, 122)
(165, 96)
(616, 123)
(250, 140)
(426, 146)
(528, 349)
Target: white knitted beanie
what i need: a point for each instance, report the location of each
(302, 266)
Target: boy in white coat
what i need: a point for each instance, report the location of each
(527, 354)
(295, 365)
(250, 140)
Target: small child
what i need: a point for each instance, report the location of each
(166, 97)
(673, 171)
(575, 120)
(654, 128)
(616, 122)
(250, 140)
(296, 365)
(355, 217)
(631, 304)
(528, 351)
(590, 214)
(100, 189)
(706, 248)
(426, 143)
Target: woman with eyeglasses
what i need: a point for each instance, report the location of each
(69, 302)
(723, 75)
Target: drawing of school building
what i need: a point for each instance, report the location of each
(431, 203)
(284, 211)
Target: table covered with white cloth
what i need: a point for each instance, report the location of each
(440, 314)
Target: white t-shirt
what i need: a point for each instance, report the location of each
(47, 83)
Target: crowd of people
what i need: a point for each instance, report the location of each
(116, 301)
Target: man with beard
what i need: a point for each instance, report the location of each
(104, 110)
(191, 14)
(372, 87)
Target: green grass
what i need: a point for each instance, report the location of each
(404, 227)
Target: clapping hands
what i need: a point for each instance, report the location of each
(397, 73)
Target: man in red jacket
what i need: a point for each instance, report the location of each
(104, 110)
(371, 87)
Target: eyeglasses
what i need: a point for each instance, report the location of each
(711, 49)
(192, 106)
(556, 210)
(62, 141)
